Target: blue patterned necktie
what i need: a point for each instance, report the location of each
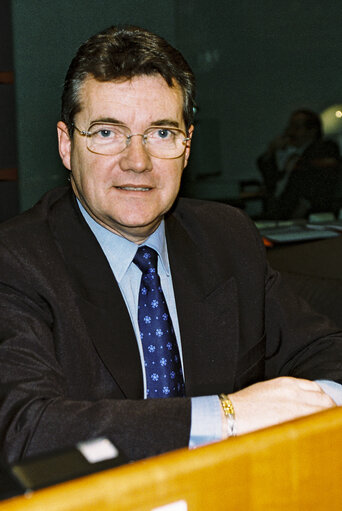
(164, 375)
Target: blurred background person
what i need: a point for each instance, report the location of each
(299, 169)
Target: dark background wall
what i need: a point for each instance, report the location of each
(255, 62)
(46, 36)
(8, 158)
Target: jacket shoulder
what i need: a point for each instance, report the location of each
(226, 229)
(212, 215)
(33, 219)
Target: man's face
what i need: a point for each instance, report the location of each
(127, 193)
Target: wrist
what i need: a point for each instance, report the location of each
(228, 415)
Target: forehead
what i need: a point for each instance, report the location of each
(148, 97)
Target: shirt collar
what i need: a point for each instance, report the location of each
(120, 251)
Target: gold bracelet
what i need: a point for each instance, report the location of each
(229, 413)
(227, 405)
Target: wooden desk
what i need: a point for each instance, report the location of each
(6, 77)
(294, 466)
(9, 174)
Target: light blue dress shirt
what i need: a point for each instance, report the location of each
(206, 419)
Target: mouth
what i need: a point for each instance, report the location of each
(134, 188)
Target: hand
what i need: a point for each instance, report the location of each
(280, 142)
(274, 401)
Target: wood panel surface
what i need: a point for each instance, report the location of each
(294, 466)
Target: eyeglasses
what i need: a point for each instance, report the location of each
(110, 139)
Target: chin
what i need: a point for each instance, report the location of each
(132, 221)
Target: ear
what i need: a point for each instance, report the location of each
(188, 145)
(64, 144)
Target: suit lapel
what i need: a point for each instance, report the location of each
(207, 313)
(206, 306)
(98, 296)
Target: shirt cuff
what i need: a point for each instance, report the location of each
(333, 389)
(206, 420)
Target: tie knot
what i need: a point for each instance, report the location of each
(146, 259)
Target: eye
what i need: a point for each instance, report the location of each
(105, 133)
(163, 133)
(160, 134)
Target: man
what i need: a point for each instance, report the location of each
(78, 304)
(300, 169)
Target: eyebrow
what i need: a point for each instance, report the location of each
(110, 120)
(165, 122)
(159, 122)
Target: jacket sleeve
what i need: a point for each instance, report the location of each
(300, 342)
(38, 412)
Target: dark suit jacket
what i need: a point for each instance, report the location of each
(69, 363)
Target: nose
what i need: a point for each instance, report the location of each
(135, 157)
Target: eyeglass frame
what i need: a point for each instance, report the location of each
(87, 134)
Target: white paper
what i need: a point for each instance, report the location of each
(96, 450)
(180, 505)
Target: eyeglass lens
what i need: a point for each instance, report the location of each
(162, 142)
